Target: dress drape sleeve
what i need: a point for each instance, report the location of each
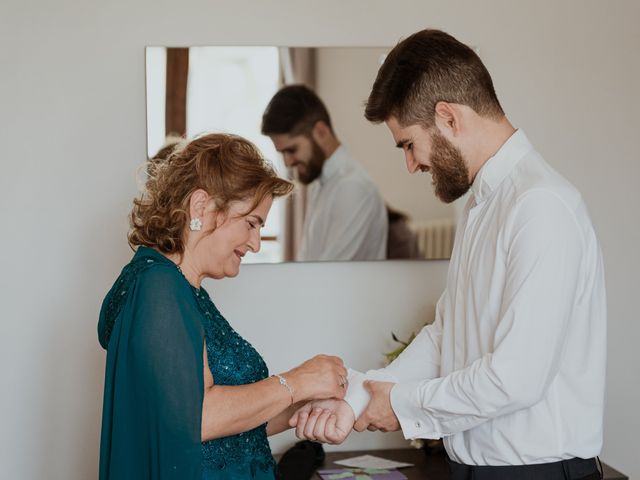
(154, 382)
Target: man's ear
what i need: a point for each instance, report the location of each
(198, 203)
(320, 132)
(448, 119)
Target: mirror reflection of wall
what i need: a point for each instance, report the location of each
(203, 89)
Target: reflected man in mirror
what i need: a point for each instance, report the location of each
(345, 217)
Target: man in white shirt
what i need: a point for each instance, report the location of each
(511, 373)
(345, 218)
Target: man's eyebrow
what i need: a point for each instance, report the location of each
(402, 143)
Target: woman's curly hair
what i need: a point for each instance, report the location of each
(227, 167)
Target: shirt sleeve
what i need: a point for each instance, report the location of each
(355, 212)
(544, 247)
(154, 383)
(419, 361)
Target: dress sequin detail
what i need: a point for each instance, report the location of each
(233, 361)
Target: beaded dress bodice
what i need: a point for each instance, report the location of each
(233, 361)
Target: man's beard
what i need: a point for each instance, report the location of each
(313, 168)
(448, 169)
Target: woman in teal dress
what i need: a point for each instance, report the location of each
(186, 397)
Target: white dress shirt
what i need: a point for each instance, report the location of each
(512, 371)
(346, 218)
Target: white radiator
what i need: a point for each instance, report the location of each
(435, 237)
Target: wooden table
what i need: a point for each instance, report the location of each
(432, 467)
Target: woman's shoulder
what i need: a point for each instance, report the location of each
(151, 276)
(159, 275)
(151, 267)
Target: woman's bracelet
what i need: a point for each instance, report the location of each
(283, 381)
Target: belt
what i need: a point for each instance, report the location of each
(572, 469)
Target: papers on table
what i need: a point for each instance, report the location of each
(370, 461)
(361, 474)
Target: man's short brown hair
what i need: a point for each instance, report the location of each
(428, 67)
(294, 110)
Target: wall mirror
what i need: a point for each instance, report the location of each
(226, 89)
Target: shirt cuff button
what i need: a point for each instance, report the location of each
(418, 425)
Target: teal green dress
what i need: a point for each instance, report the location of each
(153, 324)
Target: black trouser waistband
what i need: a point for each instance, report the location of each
(573, 469)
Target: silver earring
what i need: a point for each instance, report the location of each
(195, 225)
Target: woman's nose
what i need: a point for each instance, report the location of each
(254, 241)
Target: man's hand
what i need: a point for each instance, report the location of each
(378, 415)
(326, 421)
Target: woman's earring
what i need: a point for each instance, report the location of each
(196, 224)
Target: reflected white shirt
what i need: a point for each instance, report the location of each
(346, 218)
(512, 371)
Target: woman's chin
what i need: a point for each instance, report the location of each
(224, 273)
(232, 271)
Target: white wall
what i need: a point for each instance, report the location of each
(72, 131)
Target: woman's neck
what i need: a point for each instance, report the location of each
(186, 267)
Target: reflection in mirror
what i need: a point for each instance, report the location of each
(354, 199)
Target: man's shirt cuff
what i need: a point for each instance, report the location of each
(415, 423)
(357, 397)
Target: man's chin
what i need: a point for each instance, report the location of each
(448, 197)
(307, 179)
(447, 200)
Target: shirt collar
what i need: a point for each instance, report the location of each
(334, 164)
(498, 167)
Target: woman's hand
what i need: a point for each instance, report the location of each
(320, 377)
(326, 421)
